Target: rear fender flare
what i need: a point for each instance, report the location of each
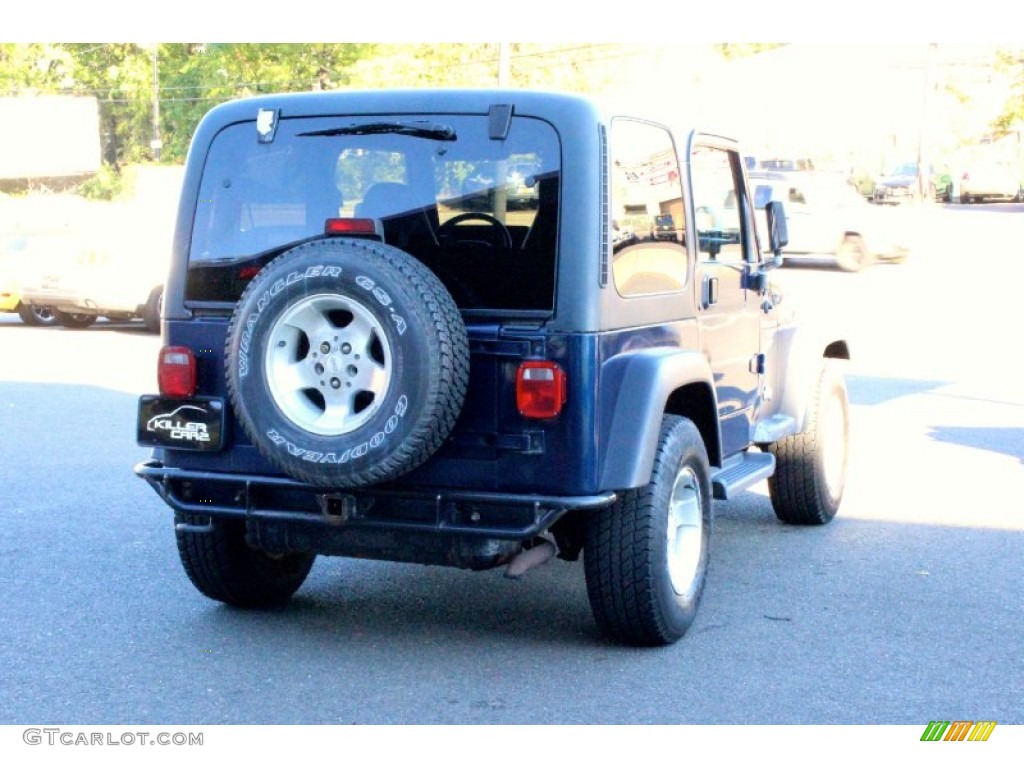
(636, 388)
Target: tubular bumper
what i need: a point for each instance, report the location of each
(475, 514)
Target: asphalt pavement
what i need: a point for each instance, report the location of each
(906, 609)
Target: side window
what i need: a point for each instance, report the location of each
(648, 226)
(716, 197)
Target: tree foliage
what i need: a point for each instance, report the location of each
(193, 77)
(28, 68)
(1012, 116)
(739, 50)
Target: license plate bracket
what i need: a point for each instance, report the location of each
(185, 424)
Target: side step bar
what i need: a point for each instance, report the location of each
(741, 472)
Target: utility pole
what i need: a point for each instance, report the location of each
(924, 149)
(504, 65)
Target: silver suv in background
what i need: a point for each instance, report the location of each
(828, 219)
(988, 179)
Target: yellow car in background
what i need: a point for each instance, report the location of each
(15, 256)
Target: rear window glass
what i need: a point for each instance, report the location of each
(481, 213)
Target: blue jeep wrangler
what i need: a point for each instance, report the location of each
(374, 349)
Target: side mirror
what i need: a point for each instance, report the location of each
(778, 234)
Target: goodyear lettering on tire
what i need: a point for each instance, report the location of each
(332, 457)
(261, 304)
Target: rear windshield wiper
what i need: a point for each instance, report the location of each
(420, 129)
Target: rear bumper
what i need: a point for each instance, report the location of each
(433, 511)
(892, 194)
(995, 192)
(65, 300)
(81, 302)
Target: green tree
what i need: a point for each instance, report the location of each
(29, 68)
(193, 77)
(739, 50)
(575, 67)
(1012, 115)
(196, 76)
(120, 76)
(421, 65)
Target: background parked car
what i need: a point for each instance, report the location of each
(901, 185)
(118, 267)
(33, 229)
(18, 252)
(786, 164)
(828, 218)
(43, 279)
(120, 278)
(989, 178)
(23, 257)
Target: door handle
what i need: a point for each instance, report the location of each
(710, 291)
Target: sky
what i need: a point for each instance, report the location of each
(525, 20)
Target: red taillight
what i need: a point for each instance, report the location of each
(176, 372)
(540, 389)
(350, 227)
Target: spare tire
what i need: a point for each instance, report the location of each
(347, 362)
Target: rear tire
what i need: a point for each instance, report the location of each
(852, 256)
(810, 472)
(224, 567)
(37, 316)
(646, 556)
(153, 310)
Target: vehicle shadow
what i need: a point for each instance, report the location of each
(425, 607)
(876, 390)
(102, 325)
(1008, 206)
(1005, 440)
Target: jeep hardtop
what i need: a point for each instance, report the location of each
(378, 346)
